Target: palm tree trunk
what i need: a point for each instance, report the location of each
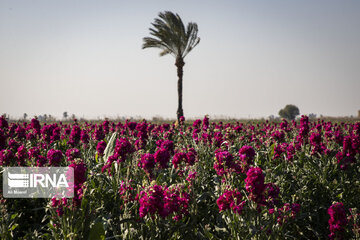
(180, 64)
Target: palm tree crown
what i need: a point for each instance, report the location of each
(171, 36)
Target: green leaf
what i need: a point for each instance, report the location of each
(97, 231)
(14, 216)
(109, 150)
(14, 226)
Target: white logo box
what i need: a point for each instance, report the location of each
(38, 182)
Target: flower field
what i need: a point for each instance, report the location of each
(188, 180)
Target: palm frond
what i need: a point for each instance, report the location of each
(170, 35)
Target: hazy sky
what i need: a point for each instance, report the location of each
(85, 57)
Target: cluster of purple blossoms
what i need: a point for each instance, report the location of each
(6, 157)
(47, 132)
(168, 145)
(3, 123)
(126, 192)
(122, 149)
(316, 143)
(286, 212)
(187, 158)
(3, 138)
(147, 162)
(206, 123)
(351, 145)
(162, 157)
(223, 162)
(105, 125)
(75, 136)
(54, 157)
(59, 204)
(337, 221)
(279, 149)
(304, 129)
(20, 132)
(99, 133)
(231, 199)
(290, 151)
(79, 179)
(247, 155)
(197, 123)
(100, 148)
(255, 184)
(35, 125)
(278, 136)
(261, 193)
(72, 154)
(182, 120)
(21, 155)
(271, 195)
(84, 137)
(164, 202)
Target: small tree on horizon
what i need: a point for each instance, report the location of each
(170, 35)
(289, 112)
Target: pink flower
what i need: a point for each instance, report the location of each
(337, 221)
(147, 162)
(162, 157)
(54, 157)
(101, 147)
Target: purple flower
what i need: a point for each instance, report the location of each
(99, 133)
(75, 136)
(337, 221)
(223, 162)
(79, 173)
(147, 162)
(230, 200)
(72, 153)
(84, 137)
(5, 157)
(168, 145)
(54, 157)
(247, 154)
(122, 148)
(21, 155)
(100, 148)
(3, 123)
(255, 184)
(162, 157)
(178, 158)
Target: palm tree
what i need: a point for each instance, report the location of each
(171, 36)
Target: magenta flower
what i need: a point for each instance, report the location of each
(162, 157)
(84, 137)
(54, 157)
(5, 157)
(231, 200)
(147, 162)
(337, 221)
(247, 154)
(168, 145)
(100, 148)
(178, 158)
(255, 184)
(72, 154)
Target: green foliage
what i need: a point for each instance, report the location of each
(313, 180)
(289, 112)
